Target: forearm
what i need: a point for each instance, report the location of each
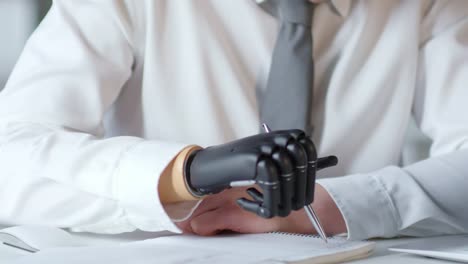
(426, 198)
(69, 179)
(172, 186)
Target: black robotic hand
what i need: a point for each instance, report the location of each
(282, 163)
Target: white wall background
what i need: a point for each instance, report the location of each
(18, 18)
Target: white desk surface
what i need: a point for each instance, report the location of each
(381, 255)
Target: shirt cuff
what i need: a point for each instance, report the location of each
(136, 184)
(364, 203)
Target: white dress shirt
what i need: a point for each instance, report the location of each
(106, 93)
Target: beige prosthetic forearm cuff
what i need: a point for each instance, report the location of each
(173, 187)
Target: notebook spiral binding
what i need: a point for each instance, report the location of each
(305, 235)
(294, 234)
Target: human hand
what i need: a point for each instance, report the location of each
(219, 213)
(283, 164)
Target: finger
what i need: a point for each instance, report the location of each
(210, 223)
(300, 186)
(326, 162)
(255, 207)
(185, 227)
(250, 206)
(311, 152)
(296, 133)
(287, 177)
(268, 180)
(255, 194)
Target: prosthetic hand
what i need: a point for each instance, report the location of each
(282, 163)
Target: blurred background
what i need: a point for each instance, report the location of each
(18, 19)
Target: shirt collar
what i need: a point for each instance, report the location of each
(340, 7)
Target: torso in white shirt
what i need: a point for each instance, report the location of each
(200, 66)
(190, 71)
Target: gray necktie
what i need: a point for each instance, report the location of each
(286, 102)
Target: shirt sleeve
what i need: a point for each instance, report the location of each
(56, 166)
(428, 197)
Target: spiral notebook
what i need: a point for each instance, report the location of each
(255, 248)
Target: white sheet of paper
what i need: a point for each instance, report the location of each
(260, 248)
(135, 255)
(454, 248)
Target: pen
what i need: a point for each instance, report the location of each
(308, 208)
